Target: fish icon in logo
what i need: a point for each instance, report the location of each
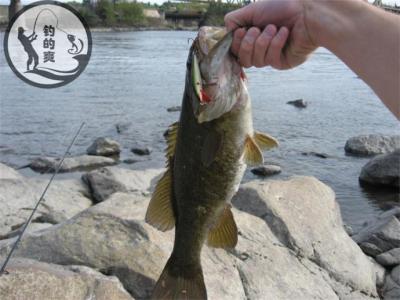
(55, 41)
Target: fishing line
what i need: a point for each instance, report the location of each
(52, 12)
(14, 247)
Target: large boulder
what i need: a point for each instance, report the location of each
(107, 181)
(303, 214)
(380, 235)
(19, 195)
(389, 258)
(70, 164)
(34, 280)
(372, 144)
(113, 237)
(7, 172)
(104, 147)
(391, 290)
(383, 170)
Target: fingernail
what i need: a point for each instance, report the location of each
(249, 38)
(270, 30)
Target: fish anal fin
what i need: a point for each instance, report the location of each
(265, 141)
(171, 138)
(179, 287)
(224, 234)
(160, 212)
(252, 153)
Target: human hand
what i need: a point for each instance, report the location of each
(277, 34)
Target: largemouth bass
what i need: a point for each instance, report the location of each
(207, 153)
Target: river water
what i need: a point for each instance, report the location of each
(133, 77)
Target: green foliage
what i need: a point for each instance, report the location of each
(216, 12)
(90, 17)
(130, 13)
(185, 6)
(105, 11)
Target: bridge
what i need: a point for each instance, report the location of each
(185, 18)
(394, 9)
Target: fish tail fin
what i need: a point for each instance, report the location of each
(186, 285)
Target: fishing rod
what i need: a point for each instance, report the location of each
(55, 16)
(14, 247)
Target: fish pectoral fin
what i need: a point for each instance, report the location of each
(252, 153)
(171, 137)
(265, 141)
(224, 234)
(160, 212)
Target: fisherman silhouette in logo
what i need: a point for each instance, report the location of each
(26, 41)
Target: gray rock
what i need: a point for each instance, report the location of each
(348, 229)
(130, 161)
(382, 234)
(123, 245)
(112, 237)
(31, 228)
(7, 172)
(78, 163)
(316, 154)
(266, 170)
(107, 181)
(122, 127)
(380, 273)
(141, 151)
(64, 199)
(34, 280)
(104, 147)
(372, 144)
(174, 108)
(370, 249)
(299, 103)
(382, 170)
(309, 223)
(391, 290)
(389, 258)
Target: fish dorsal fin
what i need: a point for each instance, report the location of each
(265, 141)
(252, 154)
(160, 213)
(224, 233)
(171, 137)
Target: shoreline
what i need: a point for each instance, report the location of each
(3, 28)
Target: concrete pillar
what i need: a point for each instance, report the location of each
(13, 8)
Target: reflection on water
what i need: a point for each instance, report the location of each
(134, 76)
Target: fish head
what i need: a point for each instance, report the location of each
(217, 78)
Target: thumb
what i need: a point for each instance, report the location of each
(239, 18)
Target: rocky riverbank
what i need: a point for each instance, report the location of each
(90, 238)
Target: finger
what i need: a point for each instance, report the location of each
(247, 46)
(238, 18)
(262, 44)
(237, 40)
(274, 53)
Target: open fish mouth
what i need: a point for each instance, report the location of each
(215, 74)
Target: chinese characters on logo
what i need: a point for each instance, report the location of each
(49, 43)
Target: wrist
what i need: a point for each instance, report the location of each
(329, 22)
